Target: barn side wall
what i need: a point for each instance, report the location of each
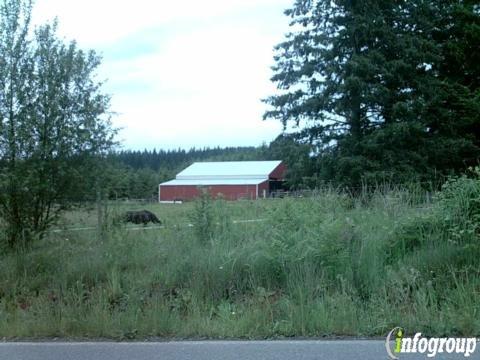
(261, 187)
(229, 192)
(278, 173)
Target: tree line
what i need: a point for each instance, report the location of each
(173, 159)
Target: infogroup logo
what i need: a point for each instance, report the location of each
(430, 346)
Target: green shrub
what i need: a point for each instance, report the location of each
(460, 201)
(202, 217)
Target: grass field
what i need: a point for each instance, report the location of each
(331, 264)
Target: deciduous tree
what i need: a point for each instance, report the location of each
(54, 120)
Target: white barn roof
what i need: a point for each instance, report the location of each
(207, 182)
(228, 170)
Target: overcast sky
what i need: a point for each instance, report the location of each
(181, 73)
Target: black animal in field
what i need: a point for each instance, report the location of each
(141, 217)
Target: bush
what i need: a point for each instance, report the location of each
(460, 202)
(202, 217)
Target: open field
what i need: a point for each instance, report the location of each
(331, 264)
(171, 215)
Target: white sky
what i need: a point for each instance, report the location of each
(181, 73)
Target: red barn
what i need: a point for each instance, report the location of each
(230, 179)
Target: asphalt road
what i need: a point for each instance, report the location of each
(208, 350)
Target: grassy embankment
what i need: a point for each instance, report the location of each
(326, 265)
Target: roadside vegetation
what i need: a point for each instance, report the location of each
(330, 264)
(375, 92)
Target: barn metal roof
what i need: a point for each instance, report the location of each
(206, 182)
(234, 170)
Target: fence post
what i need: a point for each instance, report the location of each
(99, 211)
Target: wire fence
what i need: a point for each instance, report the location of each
(354, 192)
(419, 190)
(152, 227)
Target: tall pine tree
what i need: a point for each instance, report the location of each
(367, 83)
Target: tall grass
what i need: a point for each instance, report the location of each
(331, 264)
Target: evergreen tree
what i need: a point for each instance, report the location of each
(366, 81)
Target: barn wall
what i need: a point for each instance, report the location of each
(261, 187)
(172, 193)
(229, 192)
(279, 172)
